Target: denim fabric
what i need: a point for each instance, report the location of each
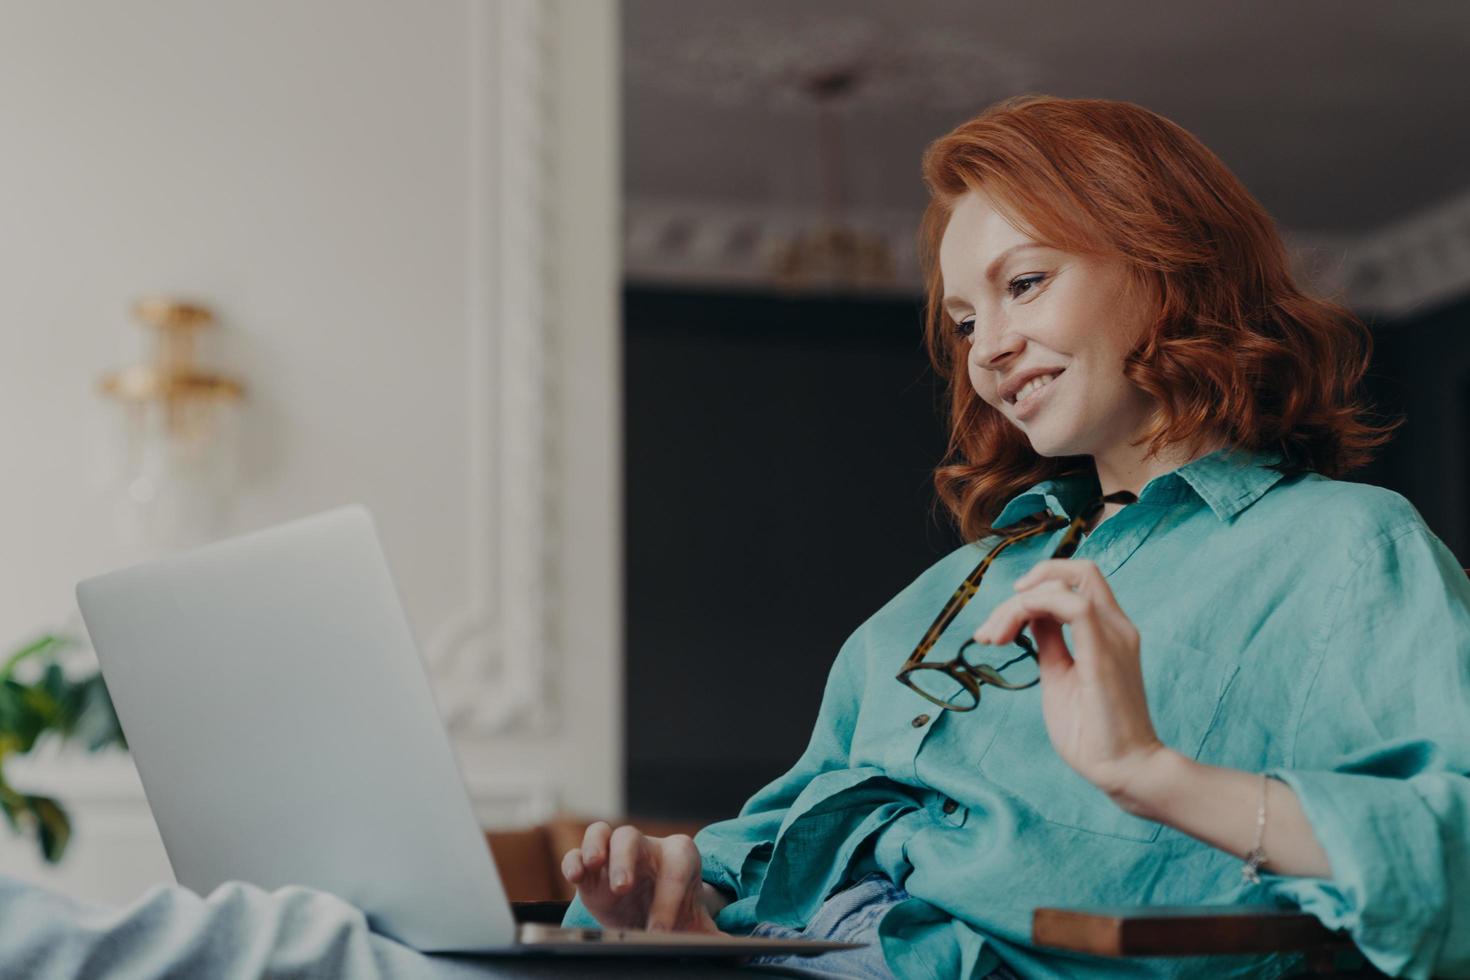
(849, 916)
(242, 932)
(236, 932)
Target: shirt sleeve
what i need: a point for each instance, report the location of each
(1381, 757)
(735, 852)
(237, 931)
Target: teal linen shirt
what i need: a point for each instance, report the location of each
(1306, 627)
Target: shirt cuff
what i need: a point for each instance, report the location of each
(737, 866)
(1383, 844)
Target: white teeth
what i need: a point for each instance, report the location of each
(1032, 386)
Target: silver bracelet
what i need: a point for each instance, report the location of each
(1251, 870)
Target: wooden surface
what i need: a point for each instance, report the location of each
(1197, 930)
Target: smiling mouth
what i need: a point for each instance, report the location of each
(1033, 387)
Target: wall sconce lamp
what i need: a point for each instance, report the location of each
(169, 455)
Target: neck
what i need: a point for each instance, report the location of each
(1129, 468)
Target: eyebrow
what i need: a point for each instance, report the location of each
(950, 302)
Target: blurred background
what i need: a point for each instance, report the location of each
(779, 411)
(610, 312)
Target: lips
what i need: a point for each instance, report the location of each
(1028, 406)
(1012, 386)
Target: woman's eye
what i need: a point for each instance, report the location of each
(1014, 286)
(1017, 287)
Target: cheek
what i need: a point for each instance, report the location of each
(984, 383)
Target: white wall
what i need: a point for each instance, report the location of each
(312, 171)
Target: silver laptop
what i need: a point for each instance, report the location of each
(285, 732)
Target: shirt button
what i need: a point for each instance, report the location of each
(921, 721)
(950, 806)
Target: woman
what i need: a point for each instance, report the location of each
(1254, 684)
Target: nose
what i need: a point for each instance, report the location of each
(994, 350)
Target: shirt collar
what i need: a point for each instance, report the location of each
(1065, 495)
(1227, 480)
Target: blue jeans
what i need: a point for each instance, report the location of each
(849, 916)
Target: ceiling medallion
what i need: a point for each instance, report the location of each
(832, 69)
(869, 62)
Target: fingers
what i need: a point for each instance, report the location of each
(1049, 598)
(1052, 655)
(1084, 578)
(624, 849)
(572, 868)
(594, 844)
(1078, 574)
(678, 872)
(632, 881)
(579, 864)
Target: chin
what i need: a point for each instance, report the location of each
(1050, 446)
(1046, 452)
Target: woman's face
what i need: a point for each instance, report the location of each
(1035, 312)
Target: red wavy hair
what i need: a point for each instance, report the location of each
(1236, 349)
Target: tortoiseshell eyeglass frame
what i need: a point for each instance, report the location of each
(971, 676)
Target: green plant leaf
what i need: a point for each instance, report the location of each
(13, 805)
(45, 644)
(96, 725)
(54, 682)
(43, 703)
(74, 709)
(12, 706)
(27, 713)
(72, 700)
(53, 827)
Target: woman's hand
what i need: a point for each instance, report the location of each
(628, 880)
(1092, 697)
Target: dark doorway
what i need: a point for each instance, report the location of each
(778, 488)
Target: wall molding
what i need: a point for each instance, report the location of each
(704, 243)
(489, 660)
(105, 786)
(1403, 269)
(1393, 272)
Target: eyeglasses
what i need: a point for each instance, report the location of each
(955, 684)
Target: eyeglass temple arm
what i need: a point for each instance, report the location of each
(1045, 524)
(971, 583)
